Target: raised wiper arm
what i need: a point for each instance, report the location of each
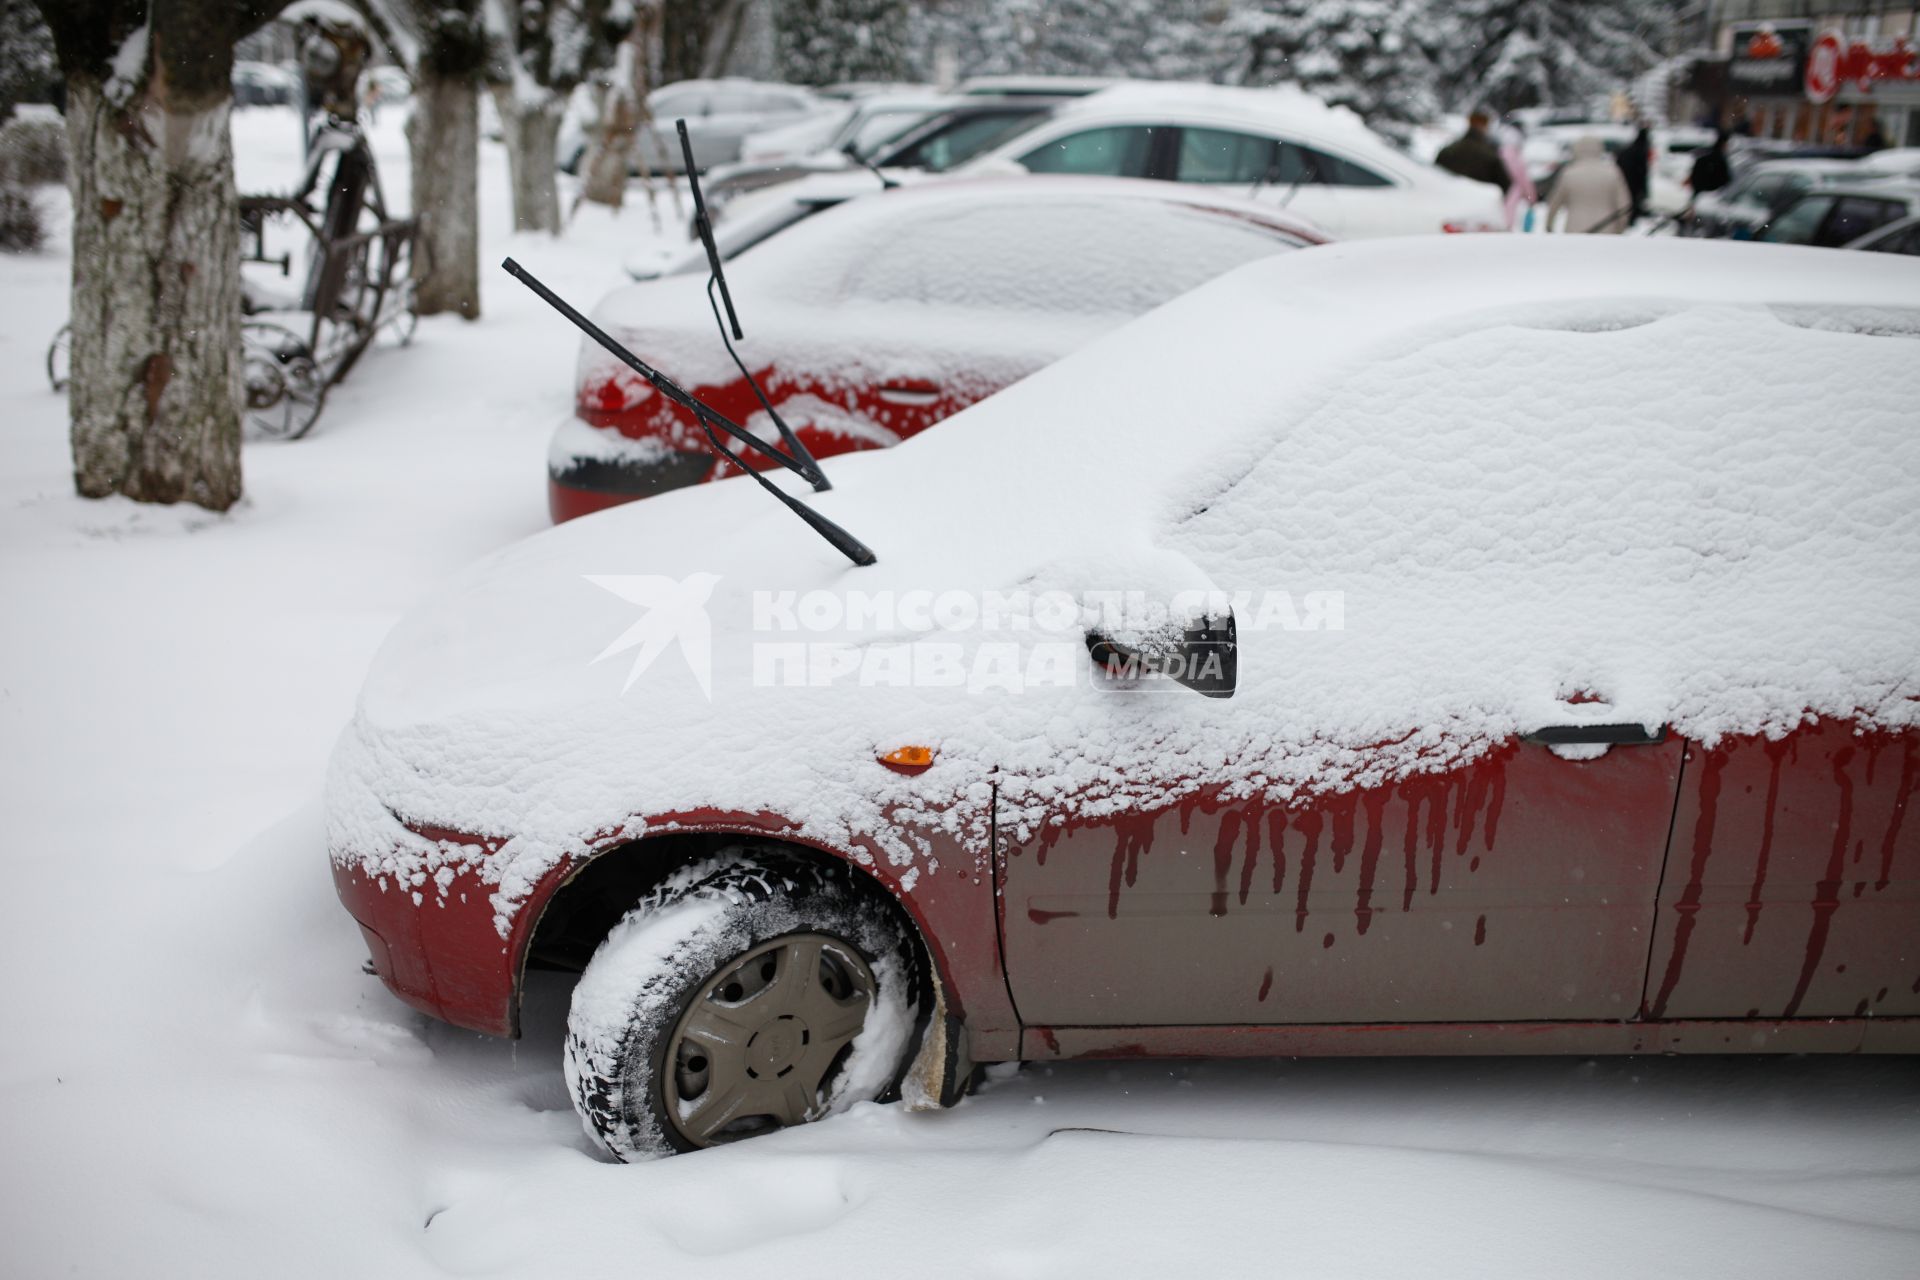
(852, 152)
(708, 418)
(717, 277)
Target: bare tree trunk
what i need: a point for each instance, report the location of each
(444, 138)
(533, 142)
(156, 370)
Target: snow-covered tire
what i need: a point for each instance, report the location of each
(654, 1003)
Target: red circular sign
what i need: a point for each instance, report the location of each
(1823, 68)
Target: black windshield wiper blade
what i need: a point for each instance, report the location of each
(717, 276)
(852, 152)
(708, 418)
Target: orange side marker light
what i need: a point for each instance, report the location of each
(908, 760)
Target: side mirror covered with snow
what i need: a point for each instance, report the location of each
(1202, 656)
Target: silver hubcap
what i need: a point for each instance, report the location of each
(763, 1038)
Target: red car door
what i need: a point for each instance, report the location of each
(1520, 887)
(1793, 887)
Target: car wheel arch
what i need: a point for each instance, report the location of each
(575, 905)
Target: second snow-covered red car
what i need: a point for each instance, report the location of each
(870, 322)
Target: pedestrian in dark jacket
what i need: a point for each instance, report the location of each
(1710, 169)
(1635, 159)
(1473, 155)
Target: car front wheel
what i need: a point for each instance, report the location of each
(749, 993)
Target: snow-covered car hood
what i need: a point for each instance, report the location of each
(1679, 475)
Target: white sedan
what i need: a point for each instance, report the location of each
(1278, 145)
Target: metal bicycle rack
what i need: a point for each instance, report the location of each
(357, 256)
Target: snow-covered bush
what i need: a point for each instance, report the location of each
(33, 149)
(20, 229)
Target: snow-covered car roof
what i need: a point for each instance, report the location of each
(1867, 186)
(1900, 161)
(1283, 107)
(1069, 254)
(1019, 86)
(766, 218)
(1678, 476)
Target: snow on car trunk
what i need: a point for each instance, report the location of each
(1519, 470)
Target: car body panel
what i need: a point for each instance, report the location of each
(1521, 886)
(442, 949)
(1531, 880)
(1793, 882)
(1335, 1040)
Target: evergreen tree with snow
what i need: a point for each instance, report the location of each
(26, 55)
(1507, 54)
(1163, 40)
(825, 41)
(1362, 54)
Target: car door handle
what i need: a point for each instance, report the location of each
(908, 393)
(1612, 735)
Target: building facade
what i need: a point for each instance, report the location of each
(1817, 71)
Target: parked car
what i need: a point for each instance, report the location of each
(866, 124)
(1034, 86)
(719, 115)
(1600, 755)
(1754, 197)
(942, 142)
(1279, 145)
(1895, 237)
(263, 84)
(818, 144)
(870, 323)
(1893, 162)
(1838, 215)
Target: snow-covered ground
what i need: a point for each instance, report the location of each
(199, 1081)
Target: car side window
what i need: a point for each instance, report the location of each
(1298, 164)
(1799, 222)
(735, 101)
(1765, 189)
(670, 102)
(958, 140)
(1853, 217)
(1216, 155)
(1905, 242)
(1117, 151)
(1347, 173)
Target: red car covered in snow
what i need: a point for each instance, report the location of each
(1572, 706)
(876, 319)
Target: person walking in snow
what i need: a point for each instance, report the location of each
(1520, 192)
(1711, 170)
(1473, 155)
(1591, 192)
(1635, 160)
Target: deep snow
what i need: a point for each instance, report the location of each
(200, 1082)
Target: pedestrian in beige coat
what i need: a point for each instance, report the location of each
(1592, 191)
